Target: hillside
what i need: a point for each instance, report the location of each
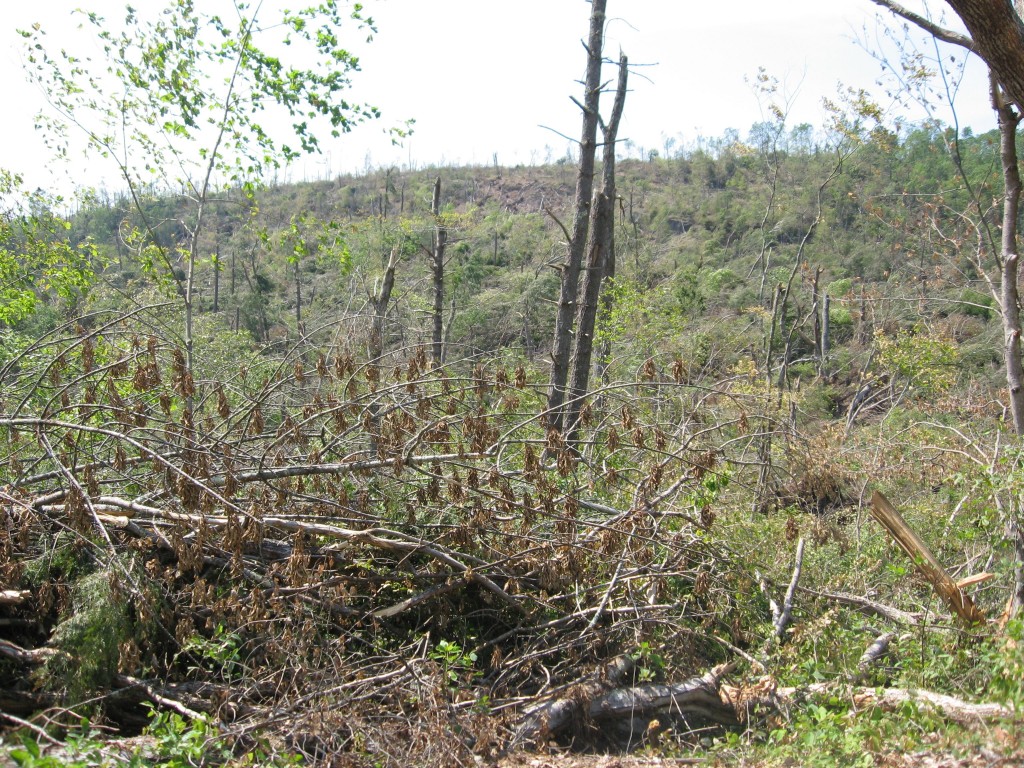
(260, 519)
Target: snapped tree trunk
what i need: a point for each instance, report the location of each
(601, 247)
(570, 273)
(437, 272)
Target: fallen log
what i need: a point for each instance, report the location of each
(27, 656)
(14, 596)
(877, 650)
(597, 701)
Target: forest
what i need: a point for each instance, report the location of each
(707, 456)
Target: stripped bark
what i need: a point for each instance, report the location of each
(784, 616)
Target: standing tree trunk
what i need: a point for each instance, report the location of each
(298, 298)
(437, 270)
(600, 253)
(570, 272)
(1009, 298)
(379, 301)
(216, 280)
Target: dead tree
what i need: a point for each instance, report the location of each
(437, 274)
(379, 302)
(570, 272)
(600, 253)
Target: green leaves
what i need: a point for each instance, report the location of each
(307, 235)
(37, 260)
(189, 91)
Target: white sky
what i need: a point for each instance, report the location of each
(482, 77)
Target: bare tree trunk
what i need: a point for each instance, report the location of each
(816, 315)
(602, 245)
(826, 334)
(1009, 299)
(437, 269)
(298, 299)
(380, 307)
(1009, 309)
(216, 281)
(380, 303)
(581, 217)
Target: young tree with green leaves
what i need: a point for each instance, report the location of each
(36, 257)
(195, 100)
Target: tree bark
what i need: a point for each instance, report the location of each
(1009, 299)
(601, 247)
(380, 307)
(998, 37)
(570, 272)
(996, 34)
(437, 272)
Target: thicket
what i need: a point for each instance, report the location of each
(312, 543)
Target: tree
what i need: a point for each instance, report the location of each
(600, 258)
(437, 276)
(36, 257)
(178, 101)
(997, 36)
(577, 239)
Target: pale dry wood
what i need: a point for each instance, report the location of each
(891, 699)
(31, 657)
(787, 604)
(877, 650)
(954, 597)
(865, 604)
(157, 697)
(977, 578)
(14, 596)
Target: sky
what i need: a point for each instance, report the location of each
(484, 78)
